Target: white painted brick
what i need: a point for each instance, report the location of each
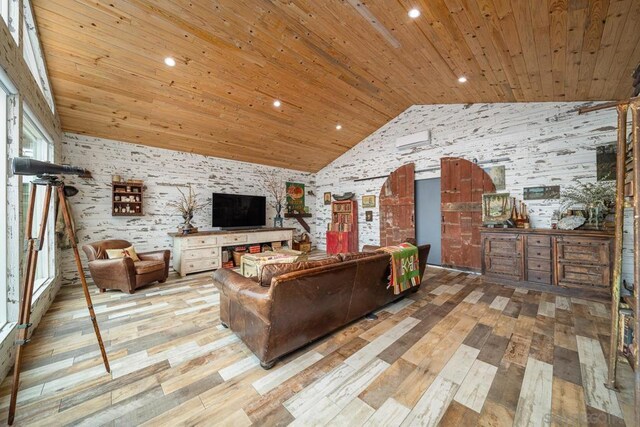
(160, 170)
(547, 144)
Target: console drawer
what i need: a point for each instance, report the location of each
(197, 241)
(205, 253)
(231, 239)
(191, 266)
(273, 236)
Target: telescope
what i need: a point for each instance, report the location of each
(48, 177)
(28, 166)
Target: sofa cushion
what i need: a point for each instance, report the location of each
(143, 267)
(269, 271)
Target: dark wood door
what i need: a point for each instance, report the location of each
(462, 186)
(397, 206)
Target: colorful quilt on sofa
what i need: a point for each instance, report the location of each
(405, 270)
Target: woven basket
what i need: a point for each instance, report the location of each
(237, 257)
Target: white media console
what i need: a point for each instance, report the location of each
(203, 251)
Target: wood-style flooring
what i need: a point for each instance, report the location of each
(460, 351)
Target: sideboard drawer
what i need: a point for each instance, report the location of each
(503, 266)
(502, 246)
(539, 264)
(583, 251)
(201, 253)
(197, 241)
(231, 239)
(539, 252)
(201, 264)
(535, 276)
(539, 240)
(578, 275)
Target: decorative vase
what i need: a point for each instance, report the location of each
(277, 221)
(596, 215)
(187, 227)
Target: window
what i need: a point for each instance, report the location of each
(33, 55)
(38, 146)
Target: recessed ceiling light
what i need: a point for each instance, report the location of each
(338, 127)
(414, 13)
(170, 61)
(277, 103)
(462, 79)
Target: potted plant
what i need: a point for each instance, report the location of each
(187, 206)
(595, 198)
(275, 187)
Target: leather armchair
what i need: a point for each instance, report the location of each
(123, 273)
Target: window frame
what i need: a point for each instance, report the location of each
(49, 255)
(4, 180)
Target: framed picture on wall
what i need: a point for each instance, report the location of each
(606, 162)
(295, 197)
(368, 216)
(369, 201)
(497, 176)
(496, 208)
(327, 198)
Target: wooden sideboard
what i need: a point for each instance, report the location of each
(579, 259)
(203, 251)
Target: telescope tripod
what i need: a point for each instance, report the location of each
(34, 245)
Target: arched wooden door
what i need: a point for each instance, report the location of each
(397, 206)
(462, 186)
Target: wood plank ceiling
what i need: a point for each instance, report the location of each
(354, 63)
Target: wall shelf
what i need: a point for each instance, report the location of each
(300, 218)
(127, 198)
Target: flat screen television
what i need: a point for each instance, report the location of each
(238, 211)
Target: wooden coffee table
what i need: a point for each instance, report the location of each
(251, 264)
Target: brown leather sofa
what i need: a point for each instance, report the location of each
(123, 273)
(302, 306)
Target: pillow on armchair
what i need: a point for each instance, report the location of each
(269, 271)
(121, 253)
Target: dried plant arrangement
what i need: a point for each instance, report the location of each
(275, 186)
(187, 206)
(601, 194)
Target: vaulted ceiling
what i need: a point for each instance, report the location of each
(330, 62)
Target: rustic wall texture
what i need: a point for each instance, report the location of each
(538, 143)
(161, 170)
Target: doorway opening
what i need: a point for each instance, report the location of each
(429, 218)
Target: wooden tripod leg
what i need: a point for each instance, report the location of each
(33, 246)
(72, 237)
(616, 283)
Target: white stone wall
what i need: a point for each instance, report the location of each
(161, 170)
(542, 144)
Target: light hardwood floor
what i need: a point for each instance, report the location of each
(460, 351)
